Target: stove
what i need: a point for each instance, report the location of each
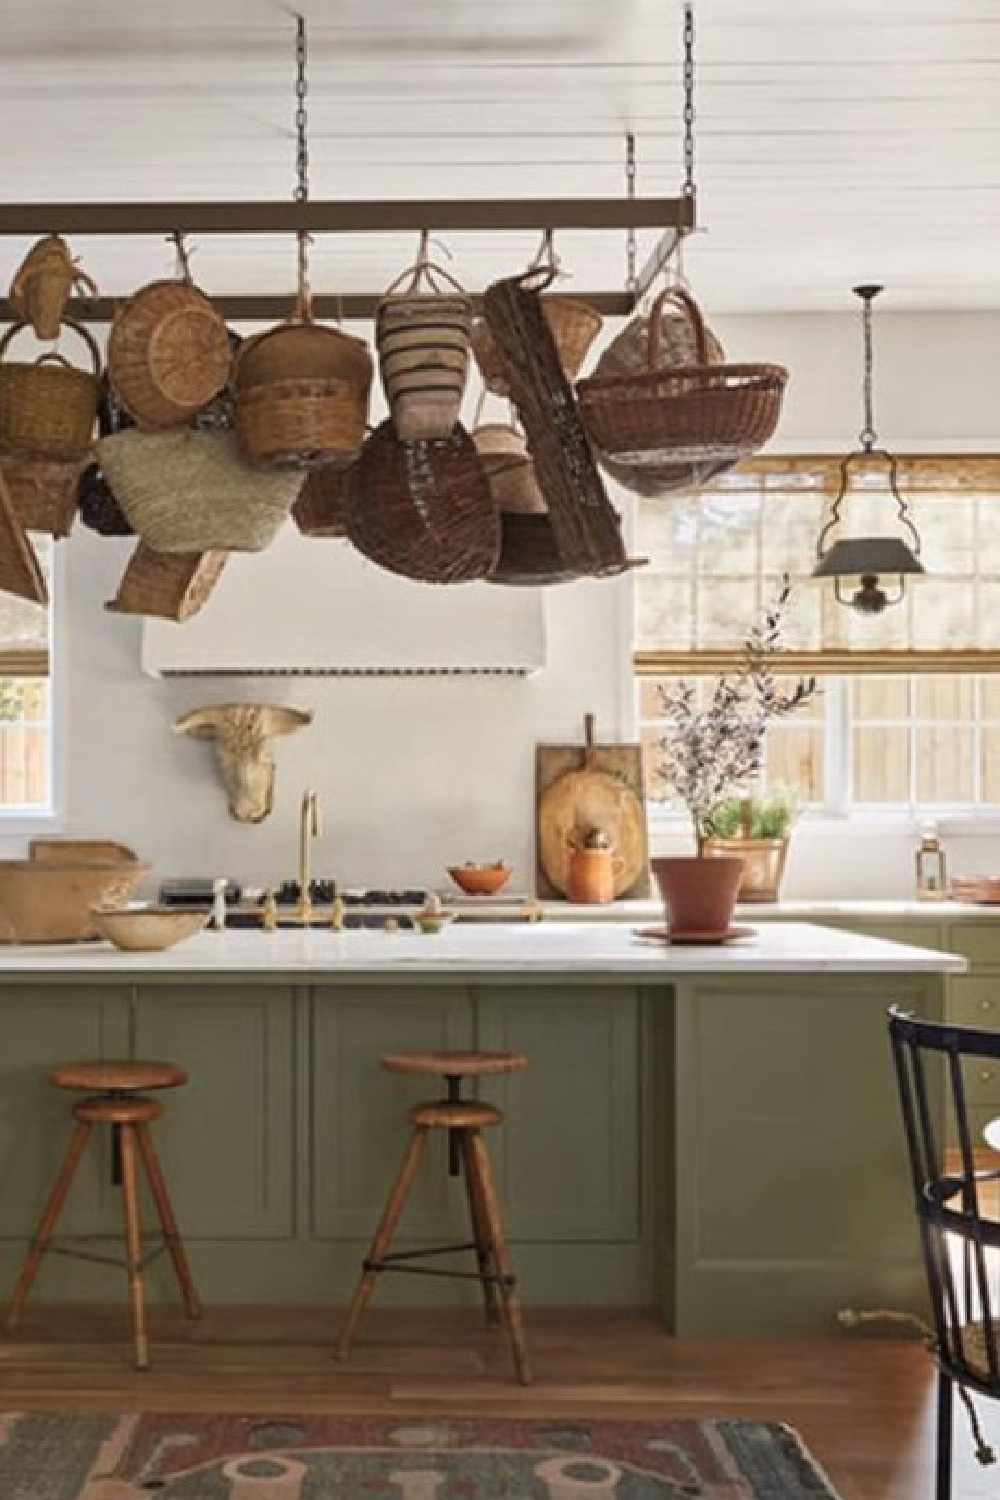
(374, 907)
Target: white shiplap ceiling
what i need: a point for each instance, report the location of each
(837, 141)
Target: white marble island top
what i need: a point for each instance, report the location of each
(597, 948)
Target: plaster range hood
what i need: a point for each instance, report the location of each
(309, 607)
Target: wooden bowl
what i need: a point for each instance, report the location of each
(480, 880)
(45, 901)
(148, 929)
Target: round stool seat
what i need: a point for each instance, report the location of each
(462, 1116)
(102, 1110)
(454, 1064)
(114, 1074)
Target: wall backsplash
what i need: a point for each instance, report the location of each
(414, 774)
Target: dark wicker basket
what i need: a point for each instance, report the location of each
(423, 509)
(653, 480)
(98, 507)
(320, 509)
(529, 556)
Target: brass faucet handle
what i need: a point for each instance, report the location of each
(269, 911)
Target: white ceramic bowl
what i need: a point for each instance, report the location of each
(148, 929)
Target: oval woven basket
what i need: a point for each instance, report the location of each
(509, 469)
(302, 393)
(574, 326)
(423, 509)
(190, 491)
(423, 353)
(48, 408)
(168, 353)
(529, 555)
(699, 413)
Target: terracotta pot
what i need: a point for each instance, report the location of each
(591, 875)
(699, 894)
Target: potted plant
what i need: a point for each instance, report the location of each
(713, 751)
(755, 828)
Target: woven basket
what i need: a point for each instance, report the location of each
(168, 353)
(509, 469)
(529, 556)
(19, 570)
(42, 284)
(43, 492)
(423, 509)
(99, 510)
(699, 413)
(320, 509)
(678, 344)
(423, 355)
(302, 393)
(47, 409)
(192, 492)
(574, 326)
(173, 586)
(653, 480)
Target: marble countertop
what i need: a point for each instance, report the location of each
(490, 948)
(650, 909)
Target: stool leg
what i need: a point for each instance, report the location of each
(383, 1238)
(165, 1214)
(480, 1231)
(47, 1223)
(480, 1162)
(133, 1242)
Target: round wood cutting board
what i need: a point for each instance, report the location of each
(585, 799)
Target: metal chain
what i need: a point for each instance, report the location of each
(867, 436)
(631, 267)
(301, 193)
(688, 189)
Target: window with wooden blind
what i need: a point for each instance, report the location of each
(909, 714)
(25, 700)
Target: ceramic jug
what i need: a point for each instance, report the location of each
(592, 874)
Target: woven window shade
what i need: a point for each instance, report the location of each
(717, 557)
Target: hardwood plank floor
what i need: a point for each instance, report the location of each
(863, 1405)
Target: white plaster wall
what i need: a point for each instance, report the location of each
(416, 773)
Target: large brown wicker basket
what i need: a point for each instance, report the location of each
(423, 509)
(529, 556)
(168, 353)
(653, 480)
(302, 393)
(700, 413)
(48, 408)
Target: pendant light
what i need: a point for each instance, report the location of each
(868, 559)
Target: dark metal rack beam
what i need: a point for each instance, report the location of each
(354, 217)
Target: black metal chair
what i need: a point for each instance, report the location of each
(960, 1233)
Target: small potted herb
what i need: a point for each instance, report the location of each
(755, 828)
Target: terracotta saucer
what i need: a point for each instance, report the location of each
(664, 935)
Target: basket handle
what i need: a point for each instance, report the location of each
(690, 309)
(52, 355)
(424, 270)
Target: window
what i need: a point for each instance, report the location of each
(25, 700)
(909, 713)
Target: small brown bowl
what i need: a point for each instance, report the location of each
(480, 880)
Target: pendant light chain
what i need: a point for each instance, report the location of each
(301, 192)
(689, 113)
(631, 270)
(867, 435)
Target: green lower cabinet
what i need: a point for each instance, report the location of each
(567, 1158)
(226, 1138)
(41, 1025)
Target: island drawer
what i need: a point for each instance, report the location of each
(979, 942)
(974, 1000)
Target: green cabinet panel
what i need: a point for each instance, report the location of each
(977, 941)
(359, 1124)
(974, 1000)
(567, 1158)
(41, 1025)
(226, 1139)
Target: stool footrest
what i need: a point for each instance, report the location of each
(490, 1278)
(70, 1252)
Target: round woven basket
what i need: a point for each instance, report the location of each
(320, 508)
(529, 556)
(677, 344)
(700, 413)
(423, 509)
(48, 408)
(423, 353)
(168, 353)
(574, 326)
(656, 479)
(302, 393)
(509, 469)
(190, 491)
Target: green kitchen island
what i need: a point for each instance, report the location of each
(712, 1130)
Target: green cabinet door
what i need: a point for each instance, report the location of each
(567, 1158)
(359, 1125)
(226, 1139)
(41, 1025)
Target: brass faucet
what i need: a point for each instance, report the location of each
(309, 828)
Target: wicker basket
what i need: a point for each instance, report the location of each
(678, 343)
(423, 509)
(43, 492)
(509, 469)
(99, 510)
(423, 354)
(42, 284)
(653, 480)
(320, 509)
(302, 393)
(191, 491)
(19, 570)
(48, 408)
(529, 556)
(574, 326)
(700, 413)
(173, 586)
(168, 354)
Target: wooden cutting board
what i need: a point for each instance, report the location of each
(578, 787)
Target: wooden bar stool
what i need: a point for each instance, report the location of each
(464, 1120)
(115, 1099)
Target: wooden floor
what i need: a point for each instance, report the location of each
(863, 1405)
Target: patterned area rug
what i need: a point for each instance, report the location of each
(170, 1457)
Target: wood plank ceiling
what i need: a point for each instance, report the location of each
(837, 140)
